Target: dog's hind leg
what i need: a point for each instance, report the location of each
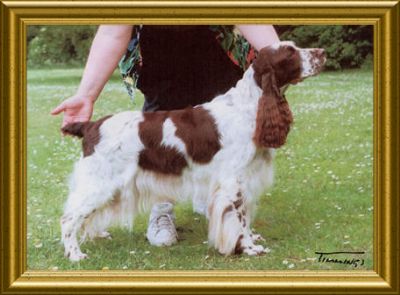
(119, 211)
(71, 224)
(91, 189)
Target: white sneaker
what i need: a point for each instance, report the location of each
(161, 230)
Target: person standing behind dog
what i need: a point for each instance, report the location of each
(174, 67)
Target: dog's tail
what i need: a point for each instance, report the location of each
(80, 129)
(77, 129)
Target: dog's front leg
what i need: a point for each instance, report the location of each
(229, 229)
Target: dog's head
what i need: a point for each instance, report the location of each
(275, 67)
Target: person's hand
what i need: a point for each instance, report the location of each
(109, 44)
(77, 108)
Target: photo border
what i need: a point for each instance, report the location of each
(15, 16)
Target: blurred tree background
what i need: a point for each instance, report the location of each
(59, 45)
(346, 46)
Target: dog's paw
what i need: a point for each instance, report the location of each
(76, 256)
(104, 235)
(247, 246)
(257, 238)
(255, 250)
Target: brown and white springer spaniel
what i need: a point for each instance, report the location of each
(218, 154)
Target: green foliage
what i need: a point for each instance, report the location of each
(32, 32)
(346, 46)
(49, 45)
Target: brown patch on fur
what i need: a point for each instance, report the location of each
(90, 131)
(165, 160)
(285, 62)
(194, 126)
(150, 129)
(272, 70)
(244, 222)
(226, 210)
(238, 247)
(239, 216)
(197, 129)
(238, 203)
(155, 157)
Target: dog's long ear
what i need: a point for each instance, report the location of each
(273, 114)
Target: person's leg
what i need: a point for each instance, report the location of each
(161, 228)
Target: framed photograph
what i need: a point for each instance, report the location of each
(326, 223)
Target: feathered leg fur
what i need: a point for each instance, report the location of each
(229, 229)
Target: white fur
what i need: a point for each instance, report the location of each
(109, 187)
(307, 68)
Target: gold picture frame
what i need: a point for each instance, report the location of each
(15, 16)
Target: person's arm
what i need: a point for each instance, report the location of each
(259, 36)
(108, 47)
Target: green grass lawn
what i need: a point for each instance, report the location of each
(321, 199)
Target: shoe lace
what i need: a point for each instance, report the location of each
(165, 222)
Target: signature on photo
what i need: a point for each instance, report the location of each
(329, 257)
